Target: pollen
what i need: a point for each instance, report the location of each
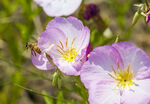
(124, 78)
(68, 53)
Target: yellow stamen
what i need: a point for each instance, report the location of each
(113, 69)
(73, 41)
(117, 64)
(59, 51)
(128, 69)
(68, 54)
(112, 76)
(60, 48)
(66, 41)
(61, 44)
(123, 77)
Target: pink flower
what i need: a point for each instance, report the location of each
(59, 7)
(117, 74)
(66, 41)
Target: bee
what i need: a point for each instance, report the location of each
(34, 48)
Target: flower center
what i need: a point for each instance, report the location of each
(68, 54)
(124, 77)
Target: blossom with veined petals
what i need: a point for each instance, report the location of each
(66, 41)
(117, 74)
(59, 7)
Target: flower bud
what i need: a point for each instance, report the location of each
(90, 11)
(55, 79)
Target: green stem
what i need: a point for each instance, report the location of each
(147, 4)
(101, 25)
(24, 68)
(79, 83)
(33, 91)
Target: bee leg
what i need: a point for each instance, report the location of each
(33, 52)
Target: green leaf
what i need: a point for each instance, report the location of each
(15, 91)
(47, 99)
(80, 89)
(13, 45)
(26, 31)
(71, 102)
(4, 95)
(60, 96)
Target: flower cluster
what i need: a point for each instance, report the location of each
(114, 74)
(117, 74)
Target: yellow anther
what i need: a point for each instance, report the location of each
(68, 54)
(123, 77)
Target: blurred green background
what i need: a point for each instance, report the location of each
(22, 21)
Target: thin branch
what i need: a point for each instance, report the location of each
(33, 91)
(147, 4)
(24, 68)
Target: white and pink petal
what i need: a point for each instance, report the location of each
(138, 94)
(104, 92)
(41, 62)
(131, 55)
(72, 28)
(92, 73)
(67, 68)
(59, 7)
(49, 40)
(106, 57)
